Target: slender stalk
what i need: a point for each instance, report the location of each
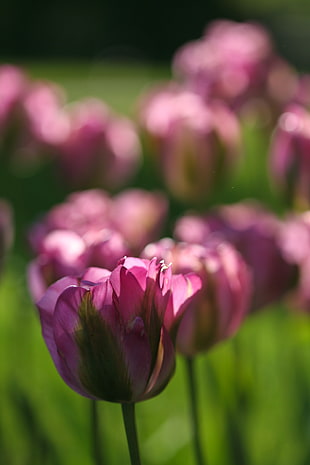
(131, 432)
(95, 433)
(192, 390)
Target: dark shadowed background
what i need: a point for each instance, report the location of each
(138, 30)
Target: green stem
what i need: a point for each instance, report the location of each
(131, 432)
(95, 433)
(192, 390)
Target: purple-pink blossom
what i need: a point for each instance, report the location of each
(108, 332)
(255, 232)
(92, 228)
(194, 144)
(221, 305)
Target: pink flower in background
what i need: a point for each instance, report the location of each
(6, 230)
(64, 252)
(92, 228)
(255, 233)
(290, 156)
(43, 124)
(139, 216)
(107, 332)
(81, 212)
(101, 149)
(295, 240)
(237, 62)
(219, 308)
(229, 61)
(195, 144)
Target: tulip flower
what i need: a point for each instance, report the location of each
(101, 150)
(195, 144)
(92, 229)
(217, 310)
(139, 216)
(237, 63)
(223, 302)
(108, 332)
(65, 253)
(255, 233)
(229, 59)
(122, 316)
(289, 156)
(43, 124)
(295, 241)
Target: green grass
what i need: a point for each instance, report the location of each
(254, 390)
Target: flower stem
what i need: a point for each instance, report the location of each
(194, 410)
(128, 410)
(95, 433)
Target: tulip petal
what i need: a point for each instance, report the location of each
(46, 307)
(138, 356)
(65, 321)
(164, 367)
(184, 287)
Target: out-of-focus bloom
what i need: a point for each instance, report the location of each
(255, 233)
(102, 150)
(13, 84)
(108, 332)
(6, 230)
(237, 62)
(295, 240)
(81, 213)
(228, 61)
(92, 229)
(290, 156)
(43, 124)
(64, 252)
(139, 216)
(221, 305)
(196, 144)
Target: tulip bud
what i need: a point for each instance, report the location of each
(289, 156)
(107, 331)
(92, 229)
(230, 61)
(196, 144)
(220, 306)
(255, 233)
(43, 124)
(295, 241)
(101, 149)
(139, 216)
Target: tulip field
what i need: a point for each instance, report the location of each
(154, 258)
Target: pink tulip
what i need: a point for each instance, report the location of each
(295, 241)
(101, 149)
(43, 123)
(81, 212)
(290, 155)
(107, 332)
(255, 233)
(230, 61)
(221, 305)
(92, 229)
(195, 144)
(139, 216)
(66, 253)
